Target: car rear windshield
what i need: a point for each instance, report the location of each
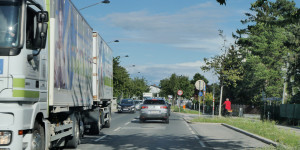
(154, 102)
(127, 101)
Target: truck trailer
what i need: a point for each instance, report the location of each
(55, 76)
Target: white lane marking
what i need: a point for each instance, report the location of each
(202, 144)
(100, 138)
(117, 129)
(127, 123)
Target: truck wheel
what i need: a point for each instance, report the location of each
(96, 127)
(73, 141)
(38, 137)
(107, 123)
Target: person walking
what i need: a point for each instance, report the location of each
(227, 104)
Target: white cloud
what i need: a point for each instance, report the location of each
(154, 73)
(190, 28)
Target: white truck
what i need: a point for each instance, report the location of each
(147, 95)
(55, 76)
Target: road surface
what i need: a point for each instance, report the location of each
(126, 132)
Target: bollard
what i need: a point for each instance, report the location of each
(241, 112)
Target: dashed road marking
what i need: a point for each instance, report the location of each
(197, 138)
(100, 138)
(127, 123)
(117, 129)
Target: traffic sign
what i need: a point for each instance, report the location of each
(200, 94)
(179, 92)
(200, 85)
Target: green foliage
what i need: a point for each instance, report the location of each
(197, 77)
(265, 48)
(171, 85)
(139, 86)
(222, 2)
(123, 84)
(186, 111)
(209, 99)
(227, 66)
(266, 52)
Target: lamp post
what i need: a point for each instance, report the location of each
(104, 2)
(115, 41)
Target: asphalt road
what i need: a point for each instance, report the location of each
(126, 132)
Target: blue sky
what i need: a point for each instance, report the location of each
(163, 37)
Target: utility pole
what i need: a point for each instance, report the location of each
(220, 104)
(213, 113)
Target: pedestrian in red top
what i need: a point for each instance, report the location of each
(227, 104)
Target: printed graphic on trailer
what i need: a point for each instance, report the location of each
(1, 66)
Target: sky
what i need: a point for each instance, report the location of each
(162, 37)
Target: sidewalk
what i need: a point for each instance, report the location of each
(189, 117)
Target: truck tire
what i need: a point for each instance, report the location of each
(74, 140)
(38, 137)
(107, 123)
(96, 127)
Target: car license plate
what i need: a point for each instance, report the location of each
(125, 109)
(154, 112)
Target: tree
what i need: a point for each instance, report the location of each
(268, 42)
(121, 79)
(171, 85)
(227, 66)
(197, 77)
(222, 2)
(139, 86)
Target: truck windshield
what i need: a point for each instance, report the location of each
(9, 23)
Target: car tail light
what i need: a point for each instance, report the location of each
(144, 107)
(165, 107)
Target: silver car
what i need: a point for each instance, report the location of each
(154, 109)
(138, 104)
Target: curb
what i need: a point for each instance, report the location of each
(186, 120)
(267, 141)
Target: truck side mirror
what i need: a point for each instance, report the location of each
(41, 35)
(42, 16)
(41, 30)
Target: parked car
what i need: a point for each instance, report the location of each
(126, 105)
(138, 104)
(155, 109)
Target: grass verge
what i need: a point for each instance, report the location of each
(265, 129)
(187, 111)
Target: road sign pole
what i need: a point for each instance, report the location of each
(179, 102)
(213, 113)
(199, 98)
(203, 103)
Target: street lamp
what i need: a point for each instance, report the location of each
(124, 56)
(116, 41)
(104, 1)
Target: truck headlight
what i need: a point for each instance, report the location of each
(5, 137)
